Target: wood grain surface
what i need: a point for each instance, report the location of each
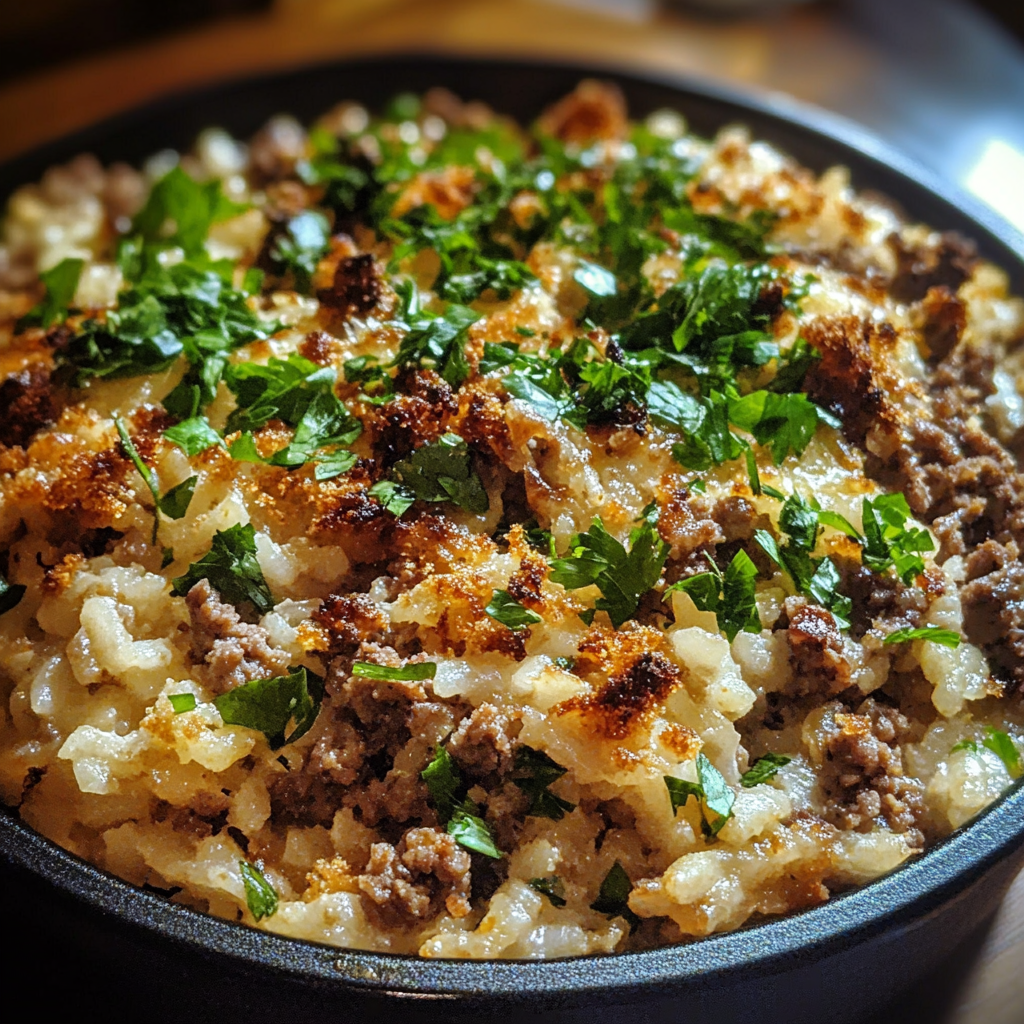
(801, 52)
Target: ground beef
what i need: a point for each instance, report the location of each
(863, 772)
(815, 649)
(356, 287)
(413, 419)
(943, 318)
(947, 263)
(880, 600)
(26, 405)
(481, 744)
(738, 518)
(426, 872)
(687, 525)
(231, 652)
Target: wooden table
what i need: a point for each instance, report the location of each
(808, 53)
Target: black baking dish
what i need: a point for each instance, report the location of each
(92, 937)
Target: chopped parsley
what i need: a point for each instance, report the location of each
(534, 772)
(61, 283)
(934, 634)
(300, 247)
(169, 308)
(552, 887)
(816, 578)
(471, 831)
(232, 569)
(174, 504)
(596, 557)
(301, 394)
(438, 471)
(437, 342)
(460, 815)
(613, 897)
(10, 595)
(182, 702)
(270, 705)
(389, 673)
(730, 595)
(260, 896)
(711, 792)
(763, 770)
(193, 435)
(144, 471)
(444, 782)
(509, 612)
(889, 542)
(1001, 745)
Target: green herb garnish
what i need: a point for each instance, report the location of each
(509, 612)
(613, 898)
(269, 705)
(232, 569)
(596, 557)
(730, 595)
(182, 702)
(534, 772)
(61, 283)
(763, 769)
(1001, 745)
(389, 673)
(934, 634)
(260, 895)
(552, 887)
(711, 791)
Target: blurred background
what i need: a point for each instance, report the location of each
(941, 80)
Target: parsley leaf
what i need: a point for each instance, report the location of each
(180, 211)
(889, 542)
(613, 898)
(61, 284)
(462, 816)
(232, 569)
(533, 772)
(300, 247)
(301, 394)
(395, 498)
(444, 782)
(935, 634)
(471, 831)
(623, 578)
(1001, 745)
(182, 702)
(817, 578)
(786, 423)
(144, 471)
(552, 887)
(406, 674)
(193, 435)
(174, 504)
(730, 595)
(509, 612)
(10, 595)
(260, 895)
(438, 343)
(438, 471)
(711, 791)
(763, 769)
(269, 705)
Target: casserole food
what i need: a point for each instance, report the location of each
(426, 538)
(132, 944)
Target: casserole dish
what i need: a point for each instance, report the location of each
(962, 878)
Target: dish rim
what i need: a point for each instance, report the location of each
(896, 900)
